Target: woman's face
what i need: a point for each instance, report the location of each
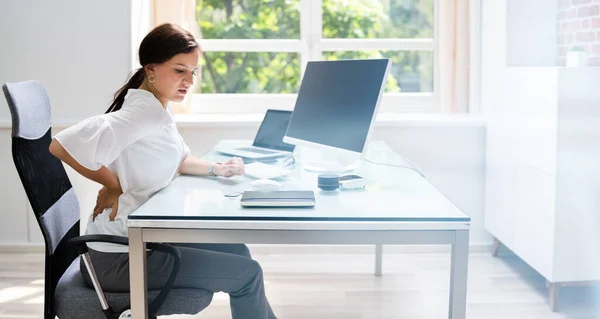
(174, 77)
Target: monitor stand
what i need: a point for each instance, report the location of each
(328, 167)
(326, 162)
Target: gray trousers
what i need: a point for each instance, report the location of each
(225, 268)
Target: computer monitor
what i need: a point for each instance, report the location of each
(336, 107)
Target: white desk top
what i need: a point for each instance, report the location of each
(394, 194)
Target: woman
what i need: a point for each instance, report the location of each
(134, 150)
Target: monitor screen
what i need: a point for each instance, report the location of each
(271, 131)
(337, 102)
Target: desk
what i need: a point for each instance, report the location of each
(399, 207)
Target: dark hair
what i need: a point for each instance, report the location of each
(160, 45)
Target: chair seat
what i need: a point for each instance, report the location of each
(74, 299)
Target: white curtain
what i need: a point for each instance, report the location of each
(182, 13)
(454, 54)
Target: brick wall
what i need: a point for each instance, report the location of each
(578, 24)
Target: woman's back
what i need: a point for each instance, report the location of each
(140, 144)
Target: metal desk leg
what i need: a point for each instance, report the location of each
(137, 274)
(458, 275)
(553, 293)
(378, 259)
(496, 247)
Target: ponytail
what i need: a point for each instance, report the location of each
(134, 82)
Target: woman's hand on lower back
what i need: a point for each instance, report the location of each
(107, 198)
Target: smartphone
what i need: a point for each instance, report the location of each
(352, 182)
(349, 177)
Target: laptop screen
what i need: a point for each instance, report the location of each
(271, 131)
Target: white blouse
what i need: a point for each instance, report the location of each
(140, 144)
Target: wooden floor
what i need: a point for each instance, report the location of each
(414, 285)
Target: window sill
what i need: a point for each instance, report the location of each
(383, 120)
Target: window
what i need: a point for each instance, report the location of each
(255, 51)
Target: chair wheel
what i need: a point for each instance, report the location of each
(125, 314)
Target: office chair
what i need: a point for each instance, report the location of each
(56, 209)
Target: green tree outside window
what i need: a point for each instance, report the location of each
(279, 72)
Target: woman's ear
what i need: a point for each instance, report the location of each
(149, 68)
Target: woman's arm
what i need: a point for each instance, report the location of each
(195, 166)
(102, 176)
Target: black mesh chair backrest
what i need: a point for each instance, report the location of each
(44, 179)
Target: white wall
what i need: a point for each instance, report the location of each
(529, 92)
(81, 52)
(531, 30)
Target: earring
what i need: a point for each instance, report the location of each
(151, 78)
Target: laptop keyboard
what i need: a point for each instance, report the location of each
(255, 150)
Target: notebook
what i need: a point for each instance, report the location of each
(278, 199)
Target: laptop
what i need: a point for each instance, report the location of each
(278, 199)
(268, 142)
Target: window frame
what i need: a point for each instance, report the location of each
(310, 47)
